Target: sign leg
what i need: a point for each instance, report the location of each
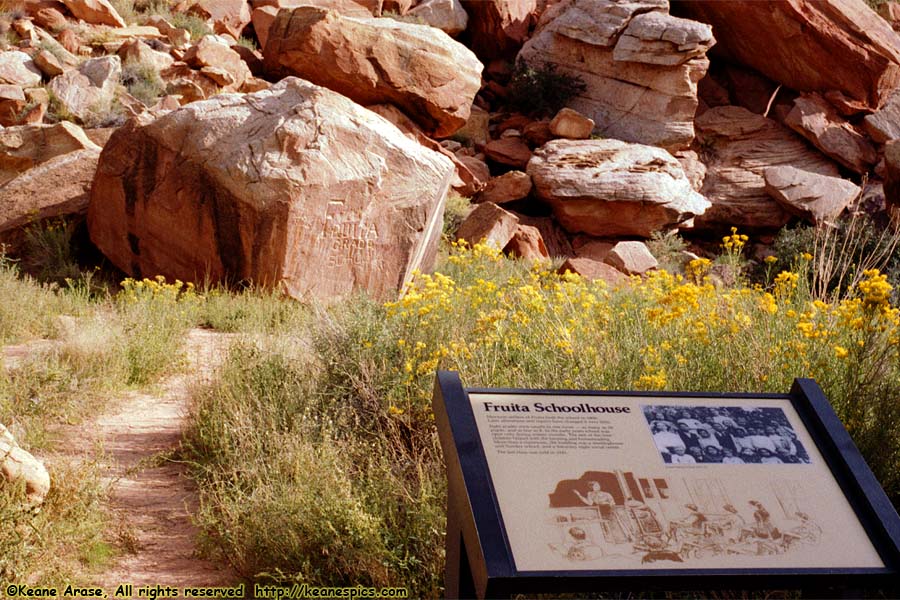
(458, 580)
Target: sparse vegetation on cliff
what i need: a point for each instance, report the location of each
(542, 90)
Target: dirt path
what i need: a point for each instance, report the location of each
(152, 498)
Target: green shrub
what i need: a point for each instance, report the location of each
(29, 309)
(142, 81)
(669, 250)
(64, 542)
(194, 24)
(155, 315)
(457, 209)
(304, 479)
(252, 310)
(834, 258)
(542, 90)
(48, 253)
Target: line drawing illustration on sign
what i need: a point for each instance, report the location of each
(616, 514)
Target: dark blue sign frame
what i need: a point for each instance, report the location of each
(480, 561)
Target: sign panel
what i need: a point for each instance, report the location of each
(575, 491)
(607, 482)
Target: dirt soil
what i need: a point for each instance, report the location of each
(153, 498)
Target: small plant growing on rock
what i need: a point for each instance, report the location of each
(142, 81)
(541, 90)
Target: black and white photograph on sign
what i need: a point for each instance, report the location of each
(686, 435)
(622, 515)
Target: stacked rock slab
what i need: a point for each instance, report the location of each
(45, 172)
(640, 64)
(818, 198)
(838, 46)
(815, 119)
(737, 146)
(294, 186)
(420, 69)
(610, 188)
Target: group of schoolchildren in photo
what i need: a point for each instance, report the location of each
(728, 435)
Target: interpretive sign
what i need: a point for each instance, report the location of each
(573, 491)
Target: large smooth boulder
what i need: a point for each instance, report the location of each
(640, 65)
(295, 186)
(737, 147)
(613, 188)
(420, 69)
(808, 45)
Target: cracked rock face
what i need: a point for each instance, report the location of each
(808, 45)
(295, 186)
(610, 188)
(817, 198)
(641, 66)
(737, 147)
(419, 69)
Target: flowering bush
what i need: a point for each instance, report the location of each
(361, 409)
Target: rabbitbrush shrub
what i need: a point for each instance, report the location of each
(318, 456)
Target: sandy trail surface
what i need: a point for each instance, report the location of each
(151, 495)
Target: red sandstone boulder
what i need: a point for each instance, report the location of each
(498, 28)
(632, 258)
(12, 103)
(817, 198)
(640, 65)
(739, 147)
(217, 61)
(508, 187)
(815, 119)
(227, 16)
(488, 224)
(447, 15)
(592, 270)
(421, 70)
(25, 147)
(808, 45)
(510, 151)
(55, 188)
(526, 243)
(613, 188)
(17, 68)
(96, 12)
(295, 186)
